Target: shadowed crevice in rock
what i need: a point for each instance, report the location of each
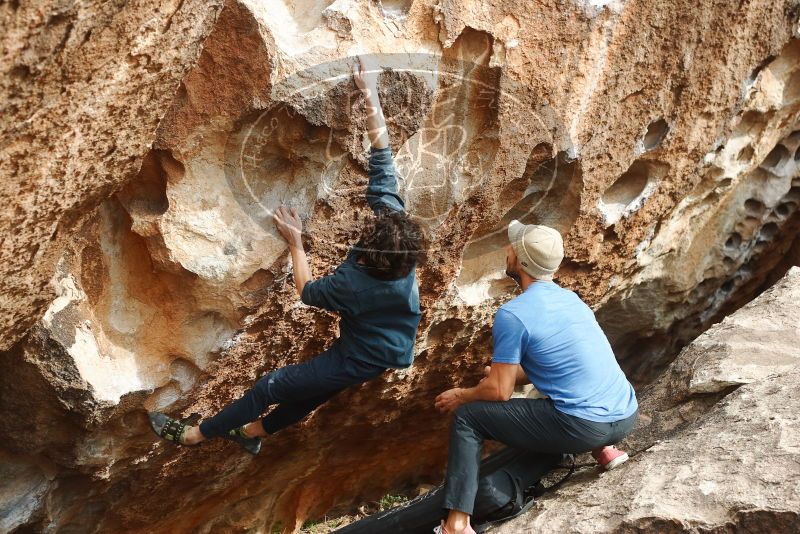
(146, 195)
(655, 134)
(627, 194)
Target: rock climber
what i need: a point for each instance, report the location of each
(374, 291)
(549, 337)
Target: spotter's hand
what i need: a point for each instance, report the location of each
(486, 371)
(449, 400)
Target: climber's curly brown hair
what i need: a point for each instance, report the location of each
(391, 245)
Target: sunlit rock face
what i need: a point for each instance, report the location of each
(83, 88)
(663, 146)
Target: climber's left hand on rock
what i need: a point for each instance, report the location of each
(289, 225)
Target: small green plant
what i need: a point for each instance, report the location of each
(390, 501)
(322, 527)
(326, 525)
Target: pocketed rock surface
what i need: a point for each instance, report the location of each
(717, 448)
(145, 144)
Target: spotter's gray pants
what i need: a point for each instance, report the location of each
(527, 424)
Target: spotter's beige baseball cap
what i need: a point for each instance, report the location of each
(539, 248)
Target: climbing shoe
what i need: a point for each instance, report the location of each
(168, 428)
(251, 445)
(610, 457)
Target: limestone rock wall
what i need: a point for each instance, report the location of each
(83, 87)
(662, 140)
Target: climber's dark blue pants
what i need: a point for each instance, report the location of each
(297, 390)
(533, 425)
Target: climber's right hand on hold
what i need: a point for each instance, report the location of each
(289, 225)
(365, 75)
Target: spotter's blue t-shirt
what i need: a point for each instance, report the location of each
(555, 337)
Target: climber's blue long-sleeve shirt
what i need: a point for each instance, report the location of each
(379, 318)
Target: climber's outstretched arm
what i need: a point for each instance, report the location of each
(291, 228)
(382, 189)
(365, 74)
